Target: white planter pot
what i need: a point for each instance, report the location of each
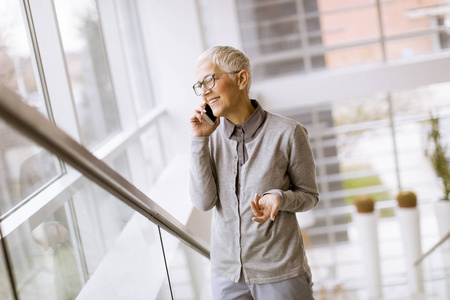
(409, 220)
(442, 208)
(366, 224)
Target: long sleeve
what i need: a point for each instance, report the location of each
(303, 193)
(202, 185)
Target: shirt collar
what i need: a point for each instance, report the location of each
(250, 125)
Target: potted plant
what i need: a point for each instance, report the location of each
(406, 199)
(437, 156)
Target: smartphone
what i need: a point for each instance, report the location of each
(209, 116)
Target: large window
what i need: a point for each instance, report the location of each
(373, 145)
(57, 227)
(24, 167)
(88, 70)
(134, 53)
(302, 36)
(376, 146)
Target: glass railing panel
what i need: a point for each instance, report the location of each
(189, 271)
(435, 268)
(43, 257)
(25, 169)
(100, 220)
(153, 152)
(86, 244)
(6, 291)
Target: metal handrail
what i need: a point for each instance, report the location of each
(33, 124)
(440, 242)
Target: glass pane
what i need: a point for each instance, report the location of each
(350, 29)
(353, 149)
(423, 18)
(271, 69)
(269, 28)
(406, 48)
(20, 158)
(353, 56)
(258, 12)
(88, 70)
(24, 168)
(365, 147)
(135, 56)
(17, 70)
(44, 259)
(436, 272)
(341, 263)
(400, 17)
(275, 45)
(153, 154)
(120, 165)
(413, 108)
(277, 29)
(189, 271)
(341, 23)
(6, 292)
(122, 249)
(99, 211)
(86, 244)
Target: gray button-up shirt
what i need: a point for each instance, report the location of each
(244, 133)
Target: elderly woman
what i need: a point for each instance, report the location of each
(250, 166)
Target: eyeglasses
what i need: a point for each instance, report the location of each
(208, 82)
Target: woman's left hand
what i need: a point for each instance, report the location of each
(265, 207)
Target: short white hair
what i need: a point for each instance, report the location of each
(228, 59)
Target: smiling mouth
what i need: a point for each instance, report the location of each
(211, 102)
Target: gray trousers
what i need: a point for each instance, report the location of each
(297, 288)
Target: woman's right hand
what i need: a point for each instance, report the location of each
(199, 127)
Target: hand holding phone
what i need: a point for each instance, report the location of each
(209, 116)
(198, 125)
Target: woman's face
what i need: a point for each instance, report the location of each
(224, 96)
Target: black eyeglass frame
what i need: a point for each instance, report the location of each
(202, 83)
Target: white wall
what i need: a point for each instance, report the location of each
(172, 35)
(221, 22)
(173, 39)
